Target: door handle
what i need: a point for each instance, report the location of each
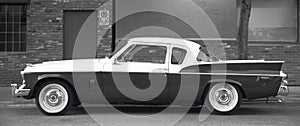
(164, 69)
(115, 62)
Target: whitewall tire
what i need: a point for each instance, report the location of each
(54, 98)
(223, 98)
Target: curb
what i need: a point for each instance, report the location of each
(17, 105)
(18, 101)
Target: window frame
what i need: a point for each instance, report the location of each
(277, 42)
(133, 46)
(21, 23)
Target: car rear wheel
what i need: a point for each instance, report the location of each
(223, 98)
(54, 98)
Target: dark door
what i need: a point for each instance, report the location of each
(139, 75)
(73, 22)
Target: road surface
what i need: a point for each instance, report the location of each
(287, 114)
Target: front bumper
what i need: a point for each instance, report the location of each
(283, 89)
(19, 91)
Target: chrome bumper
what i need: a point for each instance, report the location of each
(283, 89)
(18, 92)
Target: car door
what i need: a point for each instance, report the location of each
(179, 59)
(138, 74)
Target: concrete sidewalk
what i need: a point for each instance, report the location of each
(6, 97)
(294, 94)
(5, 94)
(293, 97)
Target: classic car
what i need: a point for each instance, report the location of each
(222, 84)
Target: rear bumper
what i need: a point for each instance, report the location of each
(19, 91)
(283, 89)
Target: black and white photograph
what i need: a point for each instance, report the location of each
(149, 62)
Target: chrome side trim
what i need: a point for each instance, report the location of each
(224, 62)
(18, 92)
(234, 74)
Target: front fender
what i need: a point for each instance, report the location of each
(34, 79)
(44, 76)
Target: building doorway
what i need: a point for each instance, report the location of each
(73, 21)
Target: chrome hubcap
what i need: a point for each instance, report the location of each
(223, 97)
(53, 98)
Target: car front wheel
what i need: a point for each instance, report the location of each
(223, 98)
(54, 98)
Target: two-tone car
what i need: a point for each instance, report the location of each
(142, 62)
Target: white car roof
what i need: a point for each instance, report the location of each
(176, 41)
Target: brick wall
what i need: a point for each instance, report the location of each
(45, 41)
(45, 36)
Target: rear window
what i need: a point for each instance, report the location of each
(201, 56)
(178, 56)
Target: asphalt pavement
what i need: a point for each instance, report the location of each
(272, 114)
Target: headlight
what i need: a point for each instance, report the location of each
(22, 74)
(23, 78)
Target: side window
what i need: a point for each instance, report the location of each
(201, 56)
(144, 53)
(178, 56)
(205, 57)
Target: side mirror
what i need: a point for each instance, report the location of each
(115, 62)
(127, 58)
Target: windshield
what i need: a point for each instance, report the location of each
(120, 45)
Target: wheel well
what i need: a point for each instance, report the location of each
(40, 82)
(206, 89)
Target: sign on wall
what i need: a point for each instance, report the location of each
(103, 17)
